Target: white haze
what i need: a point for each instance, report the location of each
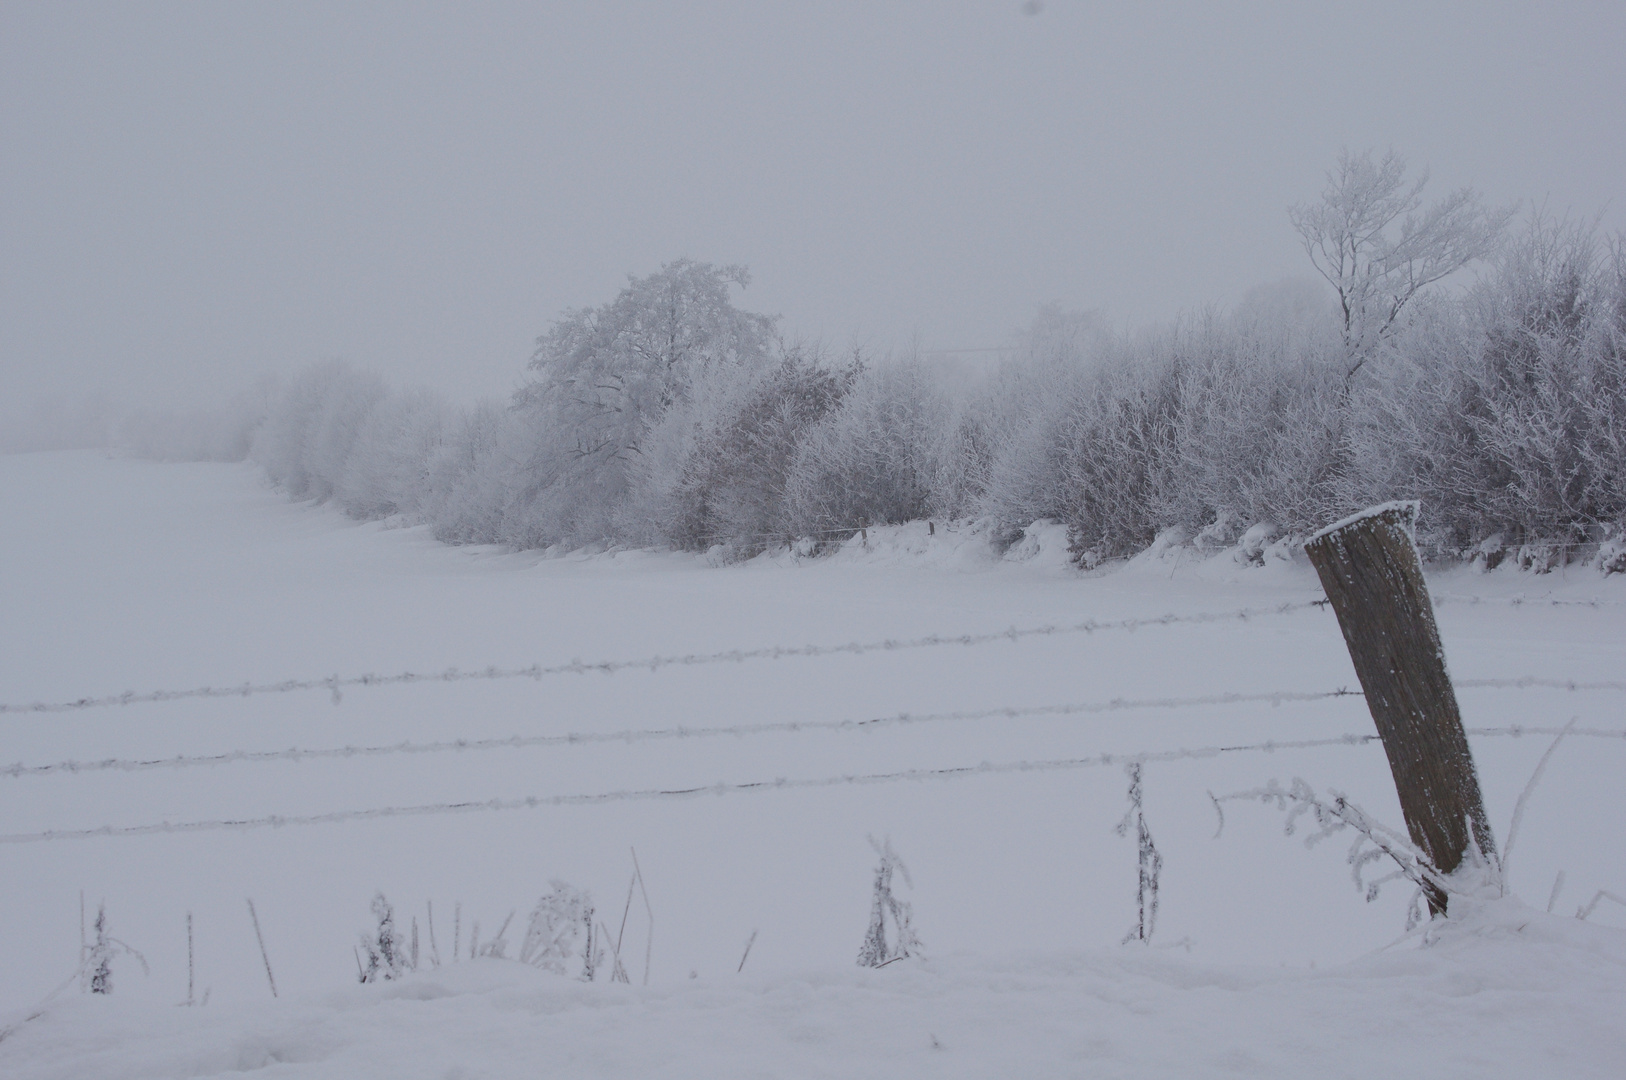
(192, 194)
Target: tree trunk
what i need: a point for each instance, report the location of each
(1369, 566)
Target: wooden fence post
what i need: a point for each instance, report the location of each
(1369, 566)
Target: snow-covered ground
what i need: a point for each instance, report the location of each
(119, 575)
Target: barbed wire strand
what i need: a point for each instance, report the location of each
(1528, 682)
(336, 684)
(1446, 599)
(634, 735)
(724, 788)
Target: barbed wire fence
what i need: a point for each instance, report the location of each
(1092, 761)
(1134, 763)
(336, 684)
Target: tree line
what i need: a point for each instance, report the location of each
(671, 417)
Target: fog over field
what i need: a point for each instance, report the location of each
(722, 539)
(195, 195)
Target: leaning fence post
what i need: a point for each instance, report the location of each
(1369, 566)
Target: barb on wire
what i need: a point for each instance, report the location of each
(1104, 760)
(335, 684)
(515, 742)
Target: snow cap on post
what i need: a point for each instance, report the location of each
(1400, 513)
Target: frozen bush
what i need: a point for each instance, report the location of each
(560, 929)
(312, 425)
(716, 469)
(475, 475)
(387, 470)
(875, 458)
(386, 957)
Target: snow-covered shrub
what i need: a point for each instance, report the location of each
(874, 459)
(476, 476)
(715, 468)
(560, 929)
(1084, 429)
(387, 470)
(1118, 455)
(336, 433)
(669, 417)
(385, 956)
(1551, 383)
(1612, 551)
(1016, 426)
(312, 425)
(1506, 412)
(1255, 428)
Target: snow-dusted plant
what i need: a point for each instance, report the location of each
(1373, 842)
(497, 947)
(560, 929)
(386, 954)
(96, 965)
(884, 908)
(1150, 861)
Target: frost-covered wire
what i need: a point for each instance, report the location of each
(1520, 601)
(515, 742)
(336, 684)
(1104, 760)
(1529, 681)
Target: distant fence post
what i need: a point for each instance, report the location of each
(1369, 566)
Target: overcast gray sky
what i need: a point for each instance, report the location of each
(191, 194)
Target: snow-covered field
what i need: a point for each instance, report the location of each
(119, 575)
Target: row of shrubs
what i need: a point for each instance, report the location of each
(670, 417)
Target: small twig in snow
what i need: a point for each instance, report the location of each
(1603, 894)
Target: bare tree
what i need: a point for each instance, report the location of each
(1371, 238)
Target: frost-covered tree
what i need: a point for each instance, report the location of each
(716, 468)
(1372, 239)
(606, 375)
